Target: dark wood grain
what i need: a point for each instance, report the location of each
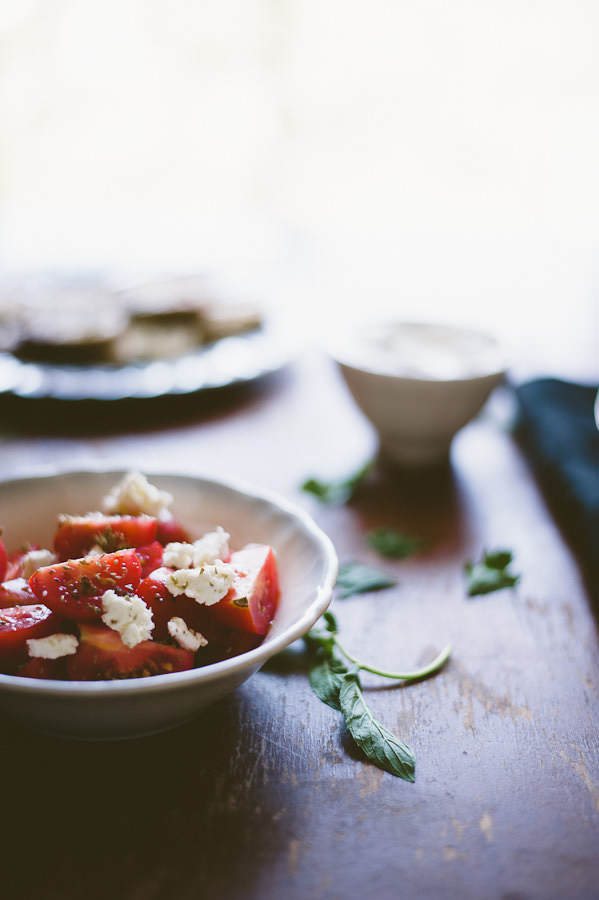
(264, 796)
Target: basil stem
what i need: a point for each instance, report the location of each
(328, 639)
(417, 674)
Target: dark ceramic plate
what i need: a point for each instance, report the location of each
(227, 362)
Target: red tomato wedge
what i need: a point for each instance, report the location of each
(102, 655)
(164, 606)
(150, 557)
(16, 592)
(17, 625)
(233, 642)
(252, 601)
(43, 668)
(74, 588)
(171, 531)
(76, 535)
(157, 596)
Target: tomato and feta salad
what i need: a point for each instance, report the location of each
(128, 593)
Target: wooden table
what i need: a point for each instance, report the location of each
(263, 795)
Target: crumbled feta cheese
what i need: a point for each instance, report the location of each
(35, 559)
(15, 585)
(211, 547)
(205, 584)
(67, 519)
(134, 495)
(178, 555)
(185, 636)
(53, 647)
(129, 615)
(96, 550)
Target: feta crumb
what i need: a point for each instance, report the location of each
(185, 636)
(211, 547)
(96, 550)
(134, 495)
(129, 615)
(53, 647)
(35, 559)
(67, 519)
(205, 584)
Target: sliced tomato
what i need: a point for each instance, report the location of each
(101, 655)
(17, 625)
(159, 599)
(36, 667)
(229, 643)
(150, 557)
(74, 588)
(252, 600)
(76, 535)
(233, 642)
(165, 605)
(16, 592)
(171, 531)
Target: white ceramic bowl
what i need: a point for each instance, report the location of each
(107, 710)
(418, 383)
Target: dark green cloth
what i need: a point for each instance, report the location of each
(558, 432)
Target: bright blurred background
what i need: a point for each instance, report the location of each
(435, 158)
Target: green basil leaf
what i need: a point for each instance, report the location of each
(326, 678)
(339, 490)
(391, 543)
(380, 746)
(482, 580)
(316, 640)
(491, 574)
(357, 578)
(498, 559)
(330, 622)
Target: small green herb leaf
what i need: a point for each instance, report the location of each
(498, 559)
(323, 641)
(339, 490)
(326, 678)
(490, 574)
(379, 745)
(391, 543)
(330, 622)
(317, 641)
(357, 578)
(86, 587)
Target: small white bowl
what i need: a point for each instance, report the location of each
(418, 383)
(107, 710)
